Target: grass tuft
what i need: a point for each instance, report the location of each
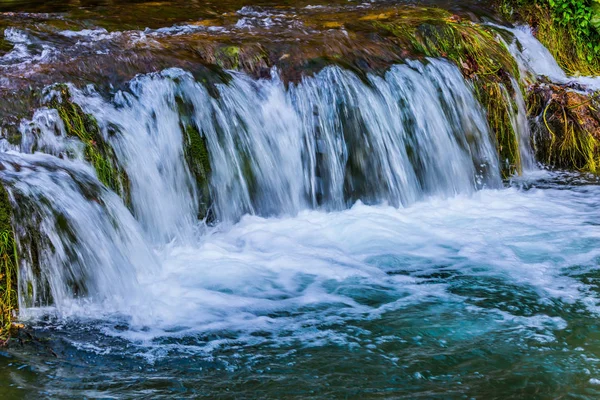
(567, 132)
(8, 269)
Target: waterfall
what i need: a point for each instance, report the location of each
(326, 141)
(143, 126)
(275, 149)
(535, 59)
(520, 123)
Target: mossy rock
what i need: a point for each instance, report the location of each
(197, 157)
(497, 100)
(198, 160)
(228, 57)
(97, 151)
(567, 127)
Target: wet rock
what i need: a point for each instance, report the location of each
(566, 126)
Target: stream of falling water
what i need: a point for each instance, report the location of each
(326, 143)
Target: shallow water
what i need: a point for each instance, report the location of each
(488, 295)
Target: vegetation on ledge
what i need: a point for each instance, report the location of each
(566, 128)
(8, 269)
(566, 123)
(570, 29)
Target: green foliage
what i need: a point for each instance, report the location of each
(8, 268)
(577, 15)
(569, 28)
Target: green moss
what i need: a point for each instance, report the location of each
(228, 57)
(437, 33)
(97, 151)
(197, 157)
(8, 268)
(497, 100)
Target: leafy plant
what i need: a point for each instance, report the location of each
(578, 15)
(579, 19)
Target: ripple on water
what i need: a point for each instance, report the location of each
(446, 296)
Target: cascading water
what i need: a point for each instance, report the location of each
(325, 142)
(521, 127)
(534, 58)
(88, 244)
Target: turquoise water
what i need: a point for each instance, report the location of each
(490, 295)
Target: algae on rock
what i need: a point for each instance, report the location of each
(197, 157)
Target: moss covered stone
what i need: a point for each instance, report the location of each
(228, 57)
(498, 102)
(567, 127)
(198, 160)
(97, 151)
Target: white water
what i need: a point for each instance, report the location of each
(89, 246)
(150, 149)
(294, 252)
(534, 58)
(283, 280)
(27, 55)
(520, 124)
(296, 276)
(328, 141)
